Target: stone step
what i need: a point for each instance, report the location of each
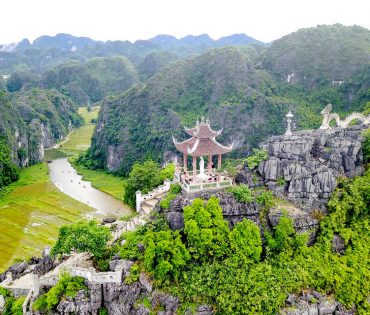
(151, 202)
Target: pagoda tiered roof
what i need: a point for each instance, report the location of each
(203, 141)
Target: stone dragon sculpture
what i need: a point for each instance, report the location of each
(328, 117)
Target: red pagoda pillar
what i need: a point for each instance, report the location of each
(219, 161)
(209, 164)
(185, 163)
(194, 167)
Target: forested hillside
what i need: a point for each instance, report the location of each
(319, 56)
(239, 90)
(34, 120)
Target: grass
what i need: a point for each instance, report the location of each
(31, 213)
(88, 116)
(79, 140)
(111, 184)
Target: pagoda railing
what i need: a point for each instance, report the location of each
(194, 187)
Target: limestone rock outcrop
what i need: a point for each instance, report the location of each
(313, 302)
(308, 164)
(233, 211)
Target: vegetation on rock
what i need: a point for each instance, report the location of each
(144, 177)
(67, 286)
(227, 268)
(82, 237)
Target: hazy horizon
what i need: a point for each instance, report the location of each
(264, 20)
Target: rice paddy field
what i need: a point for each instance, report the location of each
(33, 209)
(31, 213)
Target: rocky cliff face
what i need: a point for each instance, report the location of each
(305, 167)
(34, 120)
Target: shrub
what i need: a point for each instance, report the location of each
(143, 177)
(258, 156)
(82, 237)
(165, 254)
(168, 172)
(280, 181)
(67, 286)
(206, 231)
(265, 199)
(246, 242)
(242, 193)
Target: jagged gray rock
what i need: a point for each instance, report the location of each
(310, 162)
(313, 302)
(232, 210)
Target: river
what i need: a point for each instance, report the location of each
(69, 182)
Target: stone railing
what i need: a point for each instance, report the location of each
(87, 273)
(152, 194)
(194, 187)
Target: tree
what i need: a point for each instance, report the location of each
(82, 237)
(8, 171)
(284, 238)
(206, 231)
(246, 241)
(143, 177)
(165, 254)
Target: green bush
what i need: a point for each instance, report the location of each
(242, 193)
(280, 181)
(258, 156)
(206, 231)
(143, 177)
(246, 244)
(165, 254)
(82, 237)
(67, 286)
(168, 172)
(8, 171)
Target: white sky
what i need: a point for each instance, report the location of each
(265, 20)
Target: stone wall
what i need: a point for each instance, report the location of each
(308, 163)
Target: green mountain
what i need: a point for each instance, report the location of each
(237, 89)
(34, 120)
(90, 82)
(50, 51)
(319, 56)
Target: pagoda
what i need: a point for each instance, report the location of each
(202, 143)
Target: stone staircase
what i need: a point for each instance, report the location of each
(145, 208)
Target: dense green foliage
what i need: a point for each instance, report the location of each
(165, 254)
(90, 82)
(145, 177)
(207, 232)
(67, 286)
(8, 171)
(22, 80)
(82, 237)
(228, 270)
(320, 55)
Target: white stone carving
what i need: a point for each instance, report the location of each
(289, 119)
(202, 173)
(328, 117)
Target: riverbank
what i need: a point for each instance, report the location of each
(111, 184)
(31, 213)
